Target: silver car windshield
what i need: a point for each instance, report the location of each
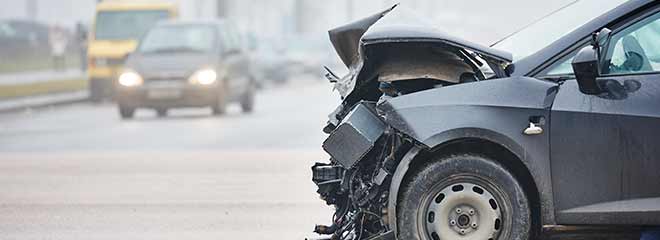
(191, 38)
(551, 28)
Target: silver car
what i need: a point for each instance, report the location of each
(187, 64)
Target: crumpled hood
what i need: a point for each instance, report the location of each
(393, 28)
(171, 65)
(395, 25)
(346, 38)
(363, 44)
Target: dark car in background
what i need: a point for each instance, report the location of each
(187, 64)
(269, 63)
(19, 37)
(24, 45)
(555, 129)
(278, 60)
(305, 53)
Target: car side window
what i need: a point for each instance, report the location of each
(563, 66)
(635, 49)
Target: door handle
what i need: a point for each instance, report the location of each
(535, 125)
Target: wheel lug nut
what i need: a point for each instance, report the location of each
(458, 210)
(474, 225)
(452, 222)
(471, 212)
(462, 231)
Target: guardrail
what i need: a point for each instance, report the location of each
(41, 88)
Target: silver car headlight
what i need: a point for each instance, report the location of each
(130, 79)
(204, 77)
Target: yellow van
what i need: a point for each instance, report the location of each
(117, 28)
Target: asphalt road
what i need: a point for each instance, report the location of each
(79, 172)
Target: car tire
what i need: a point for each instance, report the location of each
(462, 197)
(161, 112)
(126, 112)
(247, 101)
(220, 105)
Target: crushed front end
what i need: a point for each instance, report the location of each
(387, 57)
(364, 153)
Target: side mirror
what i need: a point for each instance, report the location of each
(601, 41)
(586, 64)
(585, 67)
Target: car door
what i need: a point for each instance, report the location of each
(605, 149)
(243, 62)
(234, 61)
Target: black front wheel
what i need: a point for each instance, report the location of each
(126, 112)
(220, 105)
(463, 197)
(247, 101)
(161, 112)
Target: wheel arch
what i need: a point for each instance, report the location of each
(489, 144)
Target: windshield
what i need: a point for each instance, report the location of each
(126, 25)
(551, 28)
(195, 38)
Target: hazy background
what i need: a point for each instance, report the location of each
(479, 20)
(73, 169)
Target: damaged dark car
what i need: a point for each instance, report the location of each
(553, 129)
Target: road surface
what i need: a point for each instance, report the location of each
(79, 172)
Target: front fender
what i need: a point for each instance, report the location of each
(485, 104)
(495, 110)
(449, 137)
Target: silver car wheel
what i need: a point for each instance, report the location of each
(463, 208)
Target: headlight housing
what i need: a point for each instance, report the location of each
(130, 79)
(204, 77)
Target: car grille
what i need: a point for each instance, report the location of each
(160, 79)
(163, 83)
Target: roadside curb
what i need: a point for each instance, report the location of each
(43, 100)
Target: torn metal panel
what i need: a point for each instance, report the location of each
(410, 63)
(401, 26)
(392, 29)
(355, 136)
(346, 38)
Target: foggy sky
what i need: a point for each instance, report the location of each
(483, 21)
